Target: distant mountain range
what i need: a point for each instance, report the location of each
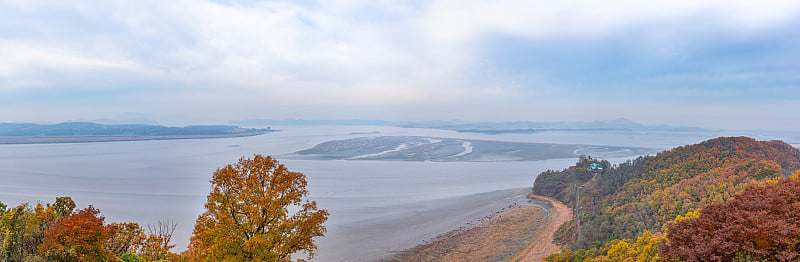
(483, 127)
(305, 122)
(16, 133)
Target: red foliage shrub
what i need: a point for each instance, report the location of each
(763, 222)
(79, 237)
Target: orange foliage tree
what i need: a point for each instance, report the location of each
(247, 214)
(78, 237)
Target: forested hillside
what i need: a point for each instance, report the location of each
(626, 202)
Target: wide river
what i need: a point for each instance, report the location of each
(377, 207)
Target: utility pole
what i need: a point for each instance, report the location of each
(577, 213)
(575, 210)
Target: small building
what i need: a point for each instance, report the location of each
(595, 168)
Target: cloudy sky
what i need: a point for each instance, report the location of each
(721, 64)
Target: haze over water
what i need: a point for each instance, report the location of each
(377, 207)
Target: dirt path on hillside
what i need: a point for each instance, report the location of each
(542, 246)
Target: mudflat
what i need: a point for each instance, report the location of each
(439, 149)
(495, 239)
(516, 233)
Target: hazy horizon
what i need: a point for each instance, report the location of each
(138, 118)
(710, 64)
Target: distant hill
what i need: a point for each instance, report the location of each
(481, 127)
(534, 127)
(306, 122)
(92, 132)
(625, 201)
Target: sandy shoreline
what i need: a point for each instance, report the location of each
(92, 139)
(542, 245)
(515, 233)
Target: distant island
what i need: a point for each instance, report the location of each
(619, 124)
(486, 127)
(80, 132)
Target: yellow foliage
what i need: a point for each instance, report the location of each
(618, 251)
(691, 214)
(643, 250)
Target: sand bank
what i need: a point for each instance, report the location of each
(516, 233)
(542, 245)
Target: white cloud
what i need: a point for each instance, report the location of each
(332, 52)
(24, 64)
(459, 19)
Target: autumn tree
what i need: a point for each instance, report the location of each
(128, 238)
(12, 224)
(248, 214)
(22, 228)
(42, 218)
(157, 244)
(761, 223)
(61, 208)
(3, 210)
(78, 237)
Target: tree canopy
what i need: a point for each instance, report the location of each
(78, 237)
(761, 223)
(248, 214)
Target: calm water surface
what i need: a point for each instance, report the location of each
(142, 181)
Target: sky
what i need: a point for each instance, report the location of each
(716, 64)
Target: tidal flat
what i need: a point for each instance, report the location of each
(416, 148)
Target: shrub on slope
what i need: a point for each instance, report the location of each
(761, 223)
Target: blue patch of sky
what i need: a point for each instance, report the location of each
(54, 23)
(80, 88)
(720, 67)
(375, 12)
(72, 27)
(109, 90)
(309, 3)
